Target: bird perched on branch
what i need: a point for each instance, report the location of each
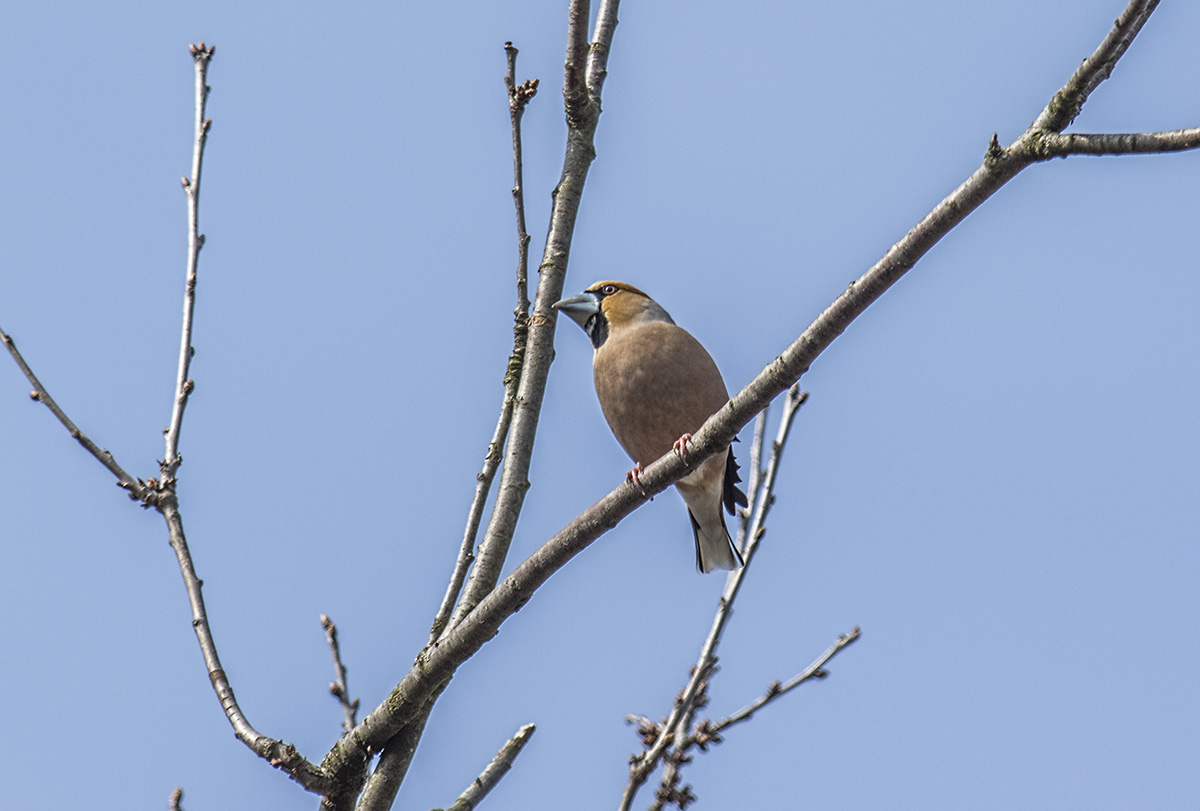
(657, 385)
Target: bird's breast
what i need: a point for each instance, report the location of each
(655, 382)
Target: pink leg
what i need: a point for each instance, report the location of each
(680, 447)
(635, 476)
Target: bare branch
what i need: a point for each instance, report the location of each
(519, 97)
(338, 688)
(137, 489)
(497, 604)
(575, 90)
(495, 770)
(1069, 100)
(277, 753)
(1060, 145)
(602, 36)
(814, 671)
(201, 55)
(380, 791)
(391, 718)
(756, 468)
(674, 731)
(582, 118)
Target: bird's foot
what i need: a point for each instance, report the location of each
(680, 447)
(635, 476)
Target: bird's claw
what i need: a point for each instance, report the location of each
(635, 476)
(680, 447)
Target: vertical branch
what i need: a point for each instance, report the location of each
(582, 110)
(518, 97)
(602, 36)
(338, 688)
(201, 55)
(582, 102)
(755, 475)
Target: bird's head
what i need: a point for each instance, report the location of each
(611, 306)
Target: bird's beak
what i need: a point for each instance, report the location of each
(580, 308)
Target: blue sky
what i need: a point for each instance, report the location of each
(996, 475)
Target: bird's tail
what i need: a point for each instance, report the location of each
(714, 547)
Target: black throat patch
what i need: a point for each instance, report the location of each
(597, 329)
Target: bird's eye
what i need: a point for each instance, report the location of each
(608, 289)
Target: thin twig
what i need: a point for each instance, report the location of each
(137, 489)
(814, 671)
(201, 56)
(338, 687)
(494, 771)
(673, 732)
(518, 97)
(706, 733)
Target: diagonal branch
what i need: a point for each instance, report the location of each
(814, 671)
(137, 489)
(279, 754)
(494, 771)
(1069, 100)
(465, 638)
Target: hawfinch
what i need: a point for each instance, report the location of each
(657, 385)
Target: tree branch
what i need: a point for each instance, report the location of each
(161, 494)
(1069, 100)
(1060, 145)
(380, 791)
(136, 487)
(814, 671)
(519, 97)
(338, 688)
(201, 55)
(583, 110)
(494, 771)
(673, 732)
(465, 638)
(279, 754)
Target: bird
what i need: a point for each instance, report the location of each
(657, 385)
